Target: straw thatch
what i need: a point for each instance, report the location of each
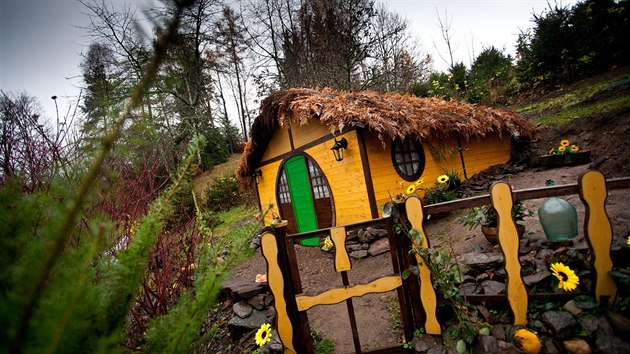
(391, 115)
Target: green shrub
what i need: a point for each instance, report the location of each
(223, 193)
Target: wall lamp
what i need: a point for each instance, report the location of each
(257, 174)
(338, 147)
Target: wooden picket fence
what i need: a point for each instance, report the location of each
(416, 295)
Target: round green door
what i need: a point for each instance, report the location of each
(300, 189)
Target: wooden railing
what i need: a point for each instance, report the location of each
(416, 295)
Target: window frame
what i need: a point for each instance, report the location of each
(407, 158)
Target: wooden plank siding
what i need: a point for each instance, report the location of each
(278, 145)
(345, 179)
(304, 134)
(479, 155)
(267, 189)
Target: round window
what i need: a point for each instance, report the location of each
(408, 159)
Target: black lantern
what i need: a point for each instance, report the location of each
(338, 148)
(257, 174)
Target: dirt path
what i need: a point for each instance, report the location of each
(378, 321)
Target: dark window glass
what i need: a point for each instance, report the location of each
(408, 159)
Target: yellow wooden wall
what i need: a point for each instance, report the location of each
(267, 189)
(478, 156)
(278, 145)
(305, 134)
(345, 178)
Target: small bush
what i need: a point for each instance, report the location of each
(223, 193)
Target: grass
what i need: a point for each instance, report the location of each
(321, 344)
(572, 98)
(235, 227)
(579, 102)
(565, 116)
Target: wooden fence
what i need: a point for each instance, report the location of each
(416, 295)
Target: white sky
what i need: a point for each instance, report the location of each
(41, 42)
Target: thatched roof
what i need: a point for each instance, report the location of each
(391, 115)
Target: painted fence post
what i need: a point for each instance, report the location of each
(598, 233)
(501, 197)
(415, 215)
(291, 324)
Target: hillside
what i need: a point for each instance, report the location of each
(594, 113)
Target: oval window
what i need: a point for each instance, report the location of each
(408, 159)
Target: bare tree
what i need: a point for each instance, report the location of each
(447, 36)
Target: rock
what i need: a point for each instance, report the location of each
(352, 235)
(594, 326)
(577, 346)
(365, 246)
(370, 234)
(378, 247)
(436, 350)
(260, 301)
(485, 314)
(619, 322)
(238, 326)
(507, 348)
(353, 247)
(481, 261)
(359, 254)
(242, 309)
(499, 331)
(550, 347)
(536, 277)
(560, 323)
(470, 288)
(486, 344)
(239, 289)
(572, 308)
(492, 287)
(423, 343)
(611, 345)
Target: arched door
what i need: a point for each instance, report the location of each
(303, 194)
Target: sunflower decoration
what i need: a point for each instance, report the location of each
(568, 280)
(263, 335)
(442, 179)
(628, 241)
(410, 189)
(328, 244)
(565, 147)
(419, 182)
(527, 341)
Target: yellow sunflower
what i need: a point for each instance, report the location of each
(527, 341)
(567, 277)
(561, 148)
(442, 179)
(328, 244)
(263, 335)
(551, 151)
(575, 148)
(628, 240)
(419, 182)
(564, 142)
(410, 189)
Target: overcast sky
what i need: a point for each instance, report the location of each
(41, 40)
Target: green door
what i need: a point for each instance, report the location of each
(301, 196)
